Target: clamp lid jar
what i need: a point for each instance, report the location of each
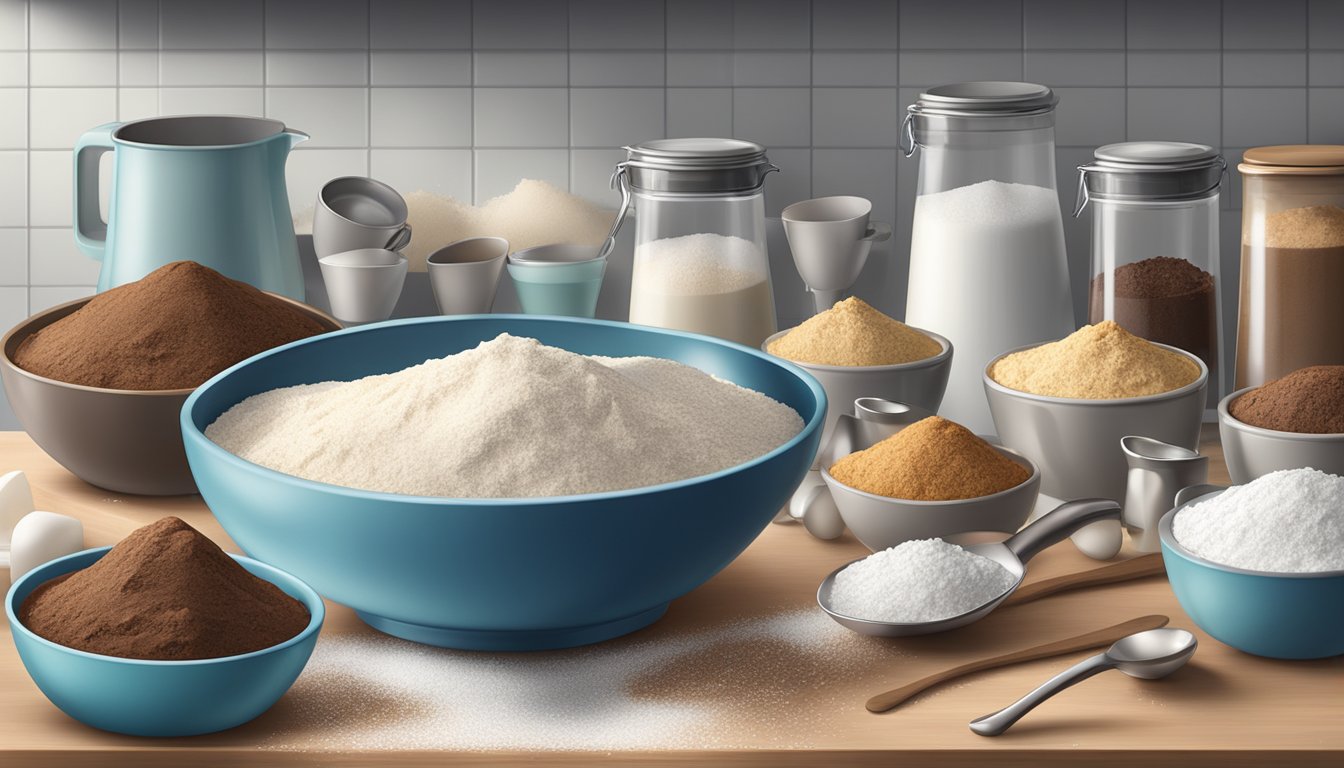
(700, 253)
(1155, 243)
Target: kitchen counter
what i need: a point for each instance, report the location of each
(1225, 709)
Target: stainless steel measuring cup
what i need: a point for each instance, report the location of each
(1157, 472)
(1012, 553)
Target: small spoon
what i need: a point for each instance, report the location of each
(893, 698)
(1146, 655)
(1012, 553)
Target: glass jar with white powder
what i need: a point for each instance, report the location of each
(987, 262)
(700, 259)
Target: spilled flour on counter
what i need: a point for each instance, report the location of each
(687, 691)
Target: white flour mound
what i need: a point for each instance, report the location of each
(510, 418)
(1290, 521)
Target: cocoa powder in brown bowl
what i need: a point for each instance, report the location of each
(165, 593)
(172, 329)
(1308, 400)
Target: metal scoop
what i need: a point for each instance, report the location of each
(1146, 655)
(1012, 553)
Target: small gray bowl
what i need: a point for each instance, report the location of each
(1252, 451)
(1077, 442)
(127, 441)
(920, 383)
(880, 522)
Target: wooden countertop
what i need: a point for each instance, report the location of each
(1225, 709)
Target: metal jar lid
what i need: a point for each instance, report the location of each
(695, 166)
(1294, 160)
(1150, 170)
(959, 106)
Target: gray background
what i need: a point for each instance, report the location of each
(465, 98)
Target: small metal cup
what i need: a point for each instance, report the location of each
(363, 285)
(354, 212)
(1157, 472)
(464, 275)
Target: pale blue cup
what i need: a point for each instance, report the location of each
(141, 697)
(562, 280)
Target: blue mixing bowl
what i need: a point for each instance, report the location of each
(1279, 615)
(498, 574)
(162, 698)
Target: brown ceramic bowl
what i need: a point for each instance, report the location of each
(126, 441)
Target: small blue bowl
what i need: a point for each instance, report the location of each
(562, 288)
(499, 574)
(1279, 615)
(161, 698)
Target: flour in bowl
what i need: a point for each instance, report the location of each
(509, 418)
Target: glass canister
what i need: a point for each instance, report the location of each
(1292, 261)
(987, 262)
(700, 254)
(1155, 243)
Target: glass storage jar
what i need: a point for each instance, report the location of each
(1155, 243)
(1292, 261)
(987, 262)
(700, 252)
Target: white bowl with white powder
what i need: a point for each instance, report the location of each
(1260, 566)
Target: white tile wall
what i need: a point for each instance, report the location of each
(464, 97)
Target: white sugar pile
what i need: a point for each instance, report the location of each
(1290, 521)
(534, 213)
(509, 418)
(918, 581)
(374, 692)
(704, 263)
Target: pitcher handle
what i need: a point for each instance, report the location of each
(90, 229)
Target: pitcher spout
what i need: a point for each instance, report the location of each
(294, 137)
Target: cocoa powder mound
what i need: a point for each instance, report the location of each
(931, 460)
(173, 329)
(165, 593)
(1308, 400)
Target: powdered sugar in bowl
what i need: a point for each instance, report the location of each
(1261, 583)
(500, 573)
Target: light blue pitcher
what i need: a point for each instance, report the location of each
(210, 189)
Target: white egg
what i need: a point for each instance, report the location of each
(16, 500)
(1100, 541)
(41, 537)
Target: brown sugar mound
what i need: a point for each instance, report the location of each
(931, 460)
(1308, 400)
(1096, 362)
(173, 329)
(853, 333)
(165, 593)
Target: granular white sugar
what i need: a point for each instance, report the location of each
(700, 689)
(917, 581)
(509, 418)
(703, 263)
(1290, 521)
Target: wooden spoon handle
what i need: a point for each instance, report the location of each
(1133, 568)
(1099, 638)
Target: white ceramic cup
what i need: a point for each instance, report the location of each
(363, 285)
(354, 212)
(464, 275)
(830, 238)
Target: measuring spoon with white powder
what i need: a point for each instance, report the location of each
(1012, 553)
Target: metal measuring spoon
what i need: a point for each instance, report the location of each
(1146, 655)
(1012, 553)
